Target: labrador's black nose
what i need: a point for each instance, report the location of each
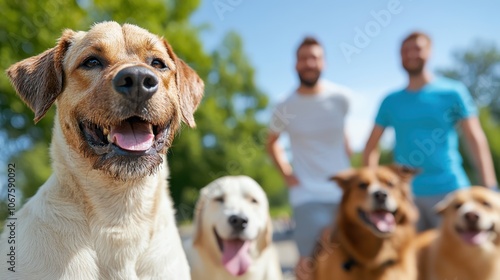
(136, 83)
(238, 223)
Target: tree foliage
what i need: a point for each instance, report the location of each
(228, 139)
(478, 67)
(491, 128)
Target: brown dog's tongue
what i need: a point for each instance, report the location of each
(384, 221)
(235, 256)
(474, 237)
(132, 136)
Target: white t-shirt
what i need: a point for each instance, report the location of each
(315, 126)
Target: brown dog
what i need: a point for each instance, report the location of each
(121, 93)
(467, 245)
(375, 225)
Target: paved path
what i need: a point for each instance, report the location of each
(287, 250)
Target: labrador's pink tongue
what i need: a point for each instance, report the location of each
(132, 136)
(474, 237)
(235, 256)
(384, 221)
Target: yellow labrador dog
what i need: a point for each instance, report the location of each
(232, 233)
(105, 212)
(467, 245)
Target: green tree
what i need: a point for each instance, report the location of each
(478, 67)
(491, 128)
(385, 158)
(228, 139)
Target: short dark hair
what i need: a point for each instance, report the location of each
(415, 35)
(308, 41)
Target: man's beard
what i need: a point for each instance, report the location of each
(415, 70)
(309, 82)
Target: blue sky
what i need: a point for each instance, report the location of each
(271, 31)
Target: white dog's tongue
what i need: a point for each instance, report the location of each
(132, 136)
(235, 256)
(384, 221)
(474, 237)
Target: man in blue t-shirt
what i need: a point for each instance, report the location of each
(425, 116)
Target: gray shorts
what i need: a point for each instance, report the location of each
(428, 219)
(310, 219)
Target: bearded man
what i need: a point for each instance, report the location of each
(313, 116)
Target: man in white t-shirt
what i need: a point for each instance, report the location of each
(313, 116)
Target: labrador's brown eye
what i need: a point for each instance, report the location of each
(457, 205)
(158, 64)
(219, 199)
(91, 63)
(253, 200)
(486, 204)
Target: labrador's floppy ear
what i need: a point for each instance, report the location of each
(40, 79)
(190, 87)
(266, 237)
(198, 210)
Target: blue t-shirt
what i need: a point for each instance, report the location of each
(424, 123)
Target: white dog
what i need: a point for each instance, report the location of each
(232, 233)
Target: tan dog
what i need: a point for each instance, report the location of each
(233, 233)
(467, 245)
(104, 213)
(374, 229)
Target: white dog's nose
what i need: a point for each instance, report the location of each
(238, 223)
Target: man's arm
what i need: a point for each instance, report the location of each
(277, 153)
(371, 154)
(476, 140)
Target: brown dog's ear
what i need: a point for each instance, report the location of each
(191, 89)
(343, 178)
(40, 79)
(189, 85)
(404, 172)
(442, 205)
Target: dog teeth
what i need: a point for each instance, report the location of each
(106, 133)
